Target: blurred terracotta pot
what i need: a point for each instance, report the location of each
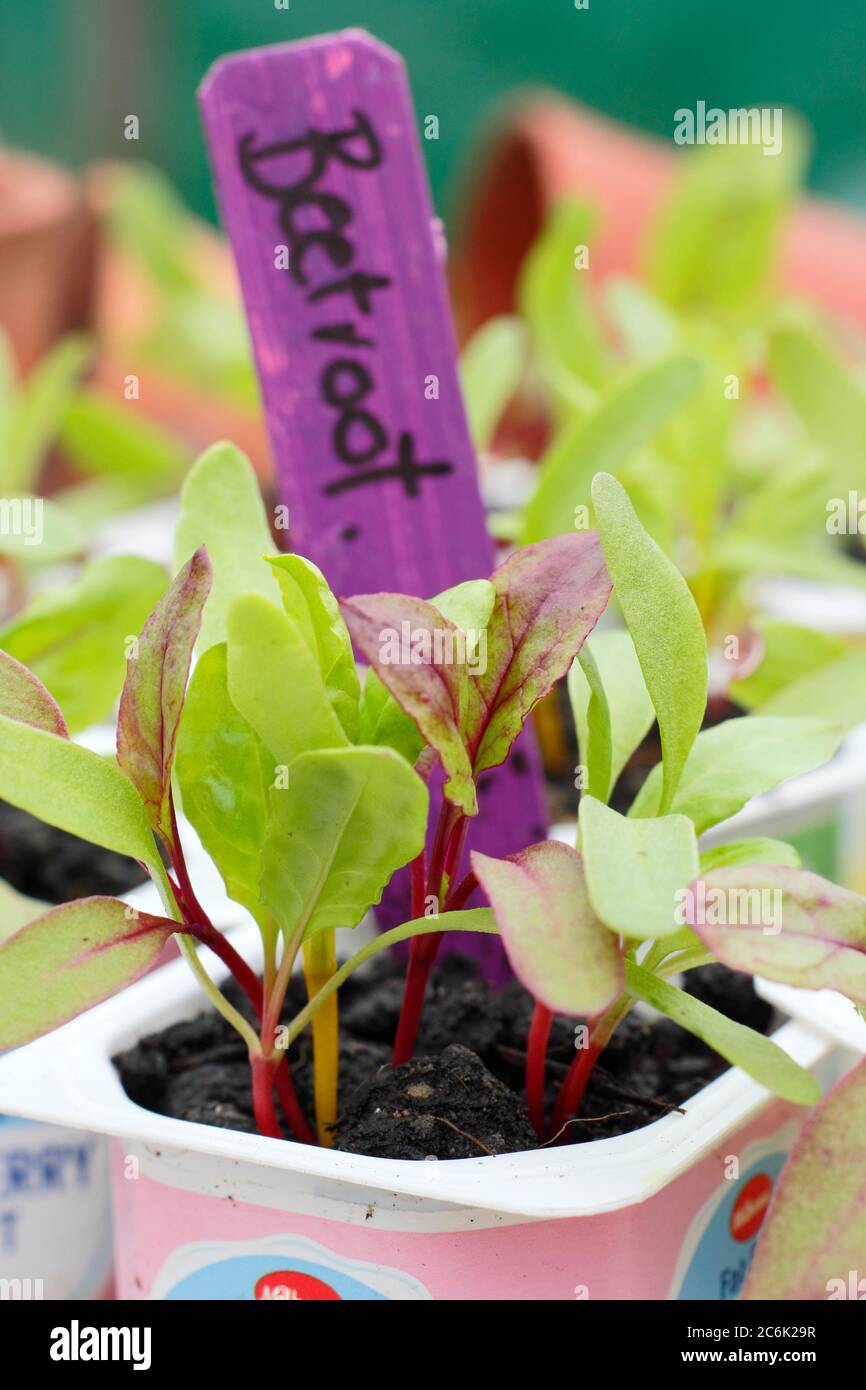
(124, 306)
(47, 254)
(547, 148)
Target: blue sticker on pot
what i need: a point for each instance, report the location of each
(280, 1268)
(718, 1248)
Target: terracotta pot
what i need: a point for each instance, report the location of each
(123, 311)
(546, 148)
(47, 254)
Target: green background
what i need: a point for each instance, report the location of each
(70, 70)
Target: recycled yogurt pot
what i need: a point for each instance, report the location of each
(671, 1211)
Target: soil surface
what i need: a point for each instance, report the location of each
(48, 864)
(462, 1094)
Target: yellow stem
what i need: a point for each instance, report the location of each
(320, 963)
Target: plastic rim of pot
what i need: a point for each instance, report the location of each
(669, 1211)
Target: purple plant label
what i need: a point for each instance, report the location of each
(324, 195)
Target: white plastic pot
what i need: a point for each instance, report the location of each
(670, 1211)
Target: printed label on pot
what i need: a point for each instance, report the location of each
(720, 1242)
(55, 1221)
(285, 1268)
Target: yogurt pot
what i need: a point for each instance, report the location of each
(671, 1211)
(55, 1213)
(55, 1201)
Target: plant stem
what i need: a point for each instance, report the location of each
(426, 926)
(289, 1103)
(536, 1056)
(217, 998)
(419, 884)
(447, 848)
(440, 843)
(320, 963)
(572, 1089)
(456, 841)
(203, 929)
(465, 888)
(263, 1097)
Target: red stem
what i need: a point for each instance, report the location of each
(465, 888)
(445, 856)
(419, 884)
(572, 1089)
(536, 1056)
(440, 842)
(204, 931)
(456, 841)
(263, 1097)
(422, 954)
(289, 1102)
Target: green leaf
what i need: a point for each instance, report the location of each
(552, 298)
(595, 744)
(646, 326)
(384, 723)
(469, 605)
(74, 789)
(16, 911)
(738, 760)
(625, 422)
(150, 221)
(398, 637)
(225, 773)
(36, 414)
(790, 651)
(760, 1057)
(664, 623)
(815, 1232)
(837, 689)
(471, 700)
(24, 697)
(275, 681)
(613, 694)
(108, 440)
(152, 699)
(222, 509)
(758, 851)
(557, 947)
(35, 530)
(348, 820)
(635, 868)
(308, 599)
(828, 400)
(549, 598)
(714, 244)
(491, 365)
(785, 924)
(73, 637)
(474, 919)
(71, 958)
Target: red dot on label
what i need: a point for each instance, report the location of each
(290, 1286)
(750, 1208)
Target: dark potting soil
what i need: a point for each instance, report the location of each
(462, 1094)
(54, 867)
